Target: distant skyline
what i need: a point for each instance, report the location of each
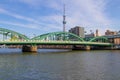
(34, 17)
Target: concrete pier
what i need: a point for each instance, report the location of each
(29, 48)
(87, 47)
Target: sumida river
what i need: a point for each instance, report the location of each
(59, 65)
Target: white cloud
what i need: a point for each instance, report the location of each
(33, 26)
(2, 10)
(31, 2)
(78, 11)
(6, 12)
(44, 28)
(89, 11)
(85, 13)
(36, 4)
(45, 21)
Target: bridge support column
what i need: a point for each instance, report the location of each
(87, 47)
(29, 48)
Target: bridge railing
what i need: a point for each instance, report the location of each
(50, 41)
(45, 41)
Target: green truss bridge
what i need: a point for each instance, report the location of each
(9, 37)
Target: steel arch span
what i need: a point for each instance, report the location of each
(57, 36)
(12, 35)
(99, 39)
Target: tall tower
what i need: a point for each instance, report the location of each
(64, 18)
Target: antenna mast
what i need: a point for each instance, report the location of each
(64, 18)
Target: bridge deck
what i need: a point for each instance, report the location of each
(39, 42)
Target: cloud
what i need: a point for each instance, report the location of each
(17, 16)
(90, 14)
(89, 11)
(2, 10)
(36, 4)
(33, 26)
(44, 28)
(31, 2)
(45, 21)
(78, 12)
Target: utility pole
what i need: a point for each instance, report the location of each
(64, 18)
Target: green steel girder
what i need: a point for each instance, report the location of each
(100, 38)
(6, 32)
(32, 42)
(54, 38)
(66, 36)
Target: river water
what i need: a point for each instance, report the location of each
(59, 65)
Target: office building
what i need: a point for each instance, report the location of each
(108, 32)
(78, 31)
(97, 33)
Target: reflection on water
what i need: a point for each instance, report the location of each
(59, 65)
(10, 51)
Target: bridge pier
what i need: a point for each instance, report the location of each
(87, 47)
(29, 48)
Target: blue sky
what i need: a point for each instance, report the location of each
(35, 17)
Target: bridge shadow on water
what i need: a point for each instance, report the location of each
(10, 51)
(17, 51)
(48, 51)
(40, 51)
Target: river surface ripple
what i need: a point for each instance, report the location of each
(59, 65)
